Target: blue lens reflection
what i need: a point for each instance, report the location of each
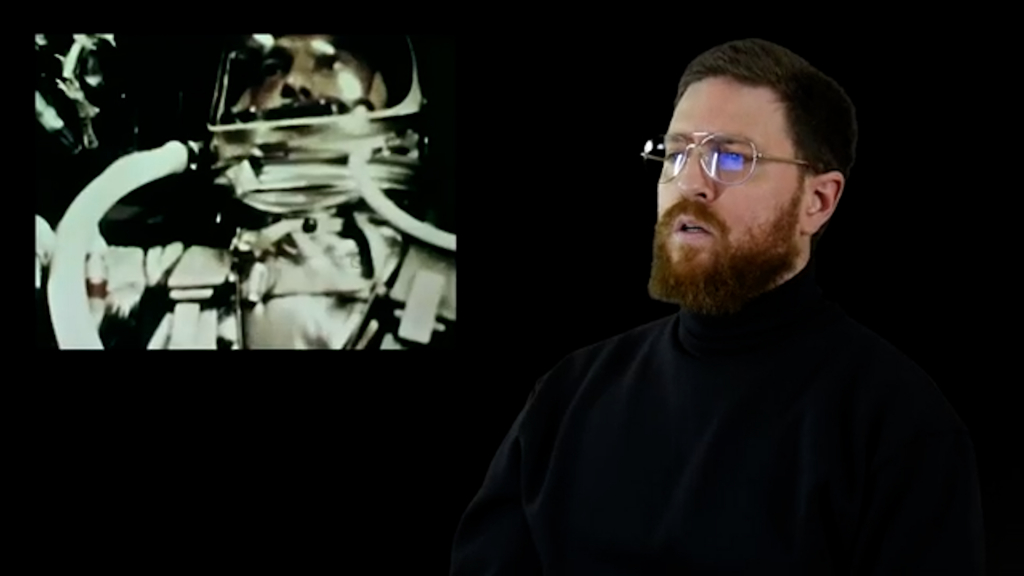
(728, 161)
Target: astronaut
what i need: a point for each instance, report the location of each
(320, 143)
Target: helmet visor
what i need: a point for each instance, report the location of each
(267, 77)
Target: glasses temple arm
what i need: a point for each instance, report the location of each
(786, 160)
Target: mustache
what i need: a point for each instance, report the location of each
(665, 223)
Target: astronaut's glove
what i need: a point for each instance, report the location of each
(117, 276)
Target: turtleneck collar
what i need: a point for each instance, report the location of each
(766, 319)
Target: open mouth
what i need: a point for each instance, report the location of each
(312, 108)
(689, 227)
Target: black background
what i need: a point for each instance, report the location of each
(259, 460)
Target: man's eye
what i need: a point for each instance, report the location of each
(272, 67)
(731, 161)
(325, 62)
(731, 150)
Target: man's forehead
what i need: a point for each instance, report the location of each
(725, 107)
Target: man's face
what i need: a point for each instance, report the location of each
(303, 68)
(758, 238)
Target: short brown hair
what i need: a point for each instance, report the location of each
(821, 118)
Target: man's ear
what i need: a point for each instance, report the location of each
(826, 190)
(244, 102)
(378, 92)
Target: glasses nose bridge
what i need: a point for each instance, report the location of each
(688, 155)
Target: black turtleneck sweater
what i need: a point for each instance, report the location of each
(787, 439)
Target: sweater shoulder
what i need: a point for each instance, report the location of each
(894, 396)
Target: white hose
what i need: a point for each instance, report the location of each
(376, 199)
(73, 325)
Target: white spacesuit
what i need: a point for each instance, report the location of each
(320, 136)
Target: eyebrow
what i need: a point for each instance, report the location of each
(678, 134)
(323, 48)
(266, 41)
(693, 136)
(277, 52)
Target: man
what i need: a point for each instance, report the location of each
(296, 70)
(760, 430)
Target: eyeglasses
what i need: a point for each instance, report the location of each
(726, 159)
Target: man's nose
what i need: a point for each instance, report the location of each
(296, 87)
(692, 180)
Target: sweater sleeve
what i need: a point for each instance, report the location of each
(923, 511)
(493, 537)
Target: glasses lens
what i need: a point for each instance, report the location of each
(728, 160)
(669, 155)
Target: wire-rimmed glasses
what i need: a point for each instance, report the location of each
(727, 159)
